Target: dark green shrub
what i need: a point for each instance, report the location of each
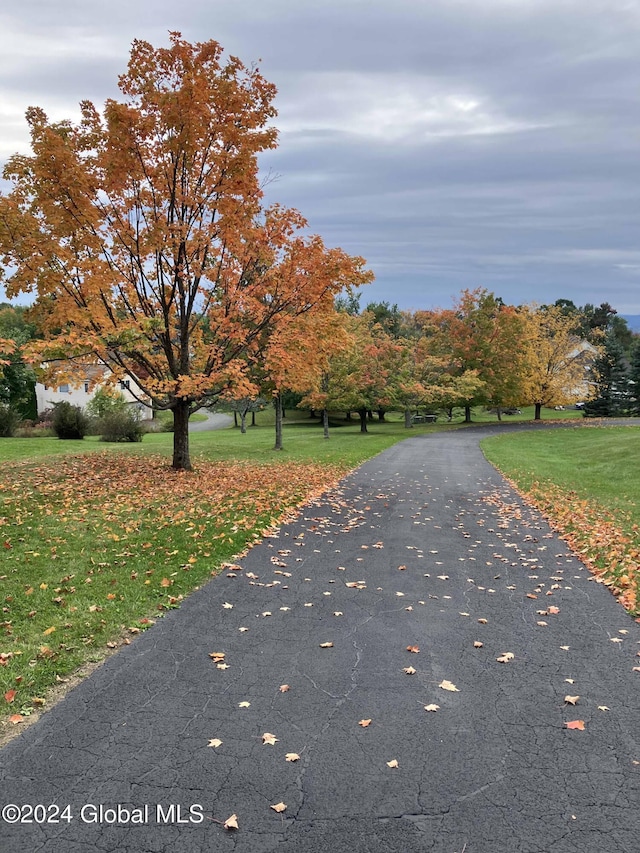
(121, 425)
(9, 422)
(69, 421)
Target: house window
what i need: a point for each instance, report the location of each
(124, 384)
(63, 389)
(86, 387)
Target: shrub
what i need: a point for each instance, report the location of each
(121, 425)
(69, 421)
(105, 401)
(9, 421)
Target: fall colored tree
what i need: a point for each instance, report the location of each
(358, 375)
(301, 358)
(142, 234)
(481, 336)
(557, 361)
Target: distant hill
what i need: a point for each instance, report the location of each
(633, 321)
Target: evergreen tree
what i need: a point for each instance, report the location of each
(612, 379)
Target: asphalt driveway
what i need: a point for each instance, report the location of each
(423, 582)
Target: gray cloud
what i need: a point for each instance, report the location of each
(453, 143)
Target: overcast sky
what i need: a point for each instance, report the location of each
(453, 143)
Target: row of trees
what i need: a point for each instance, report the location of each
(479, 352)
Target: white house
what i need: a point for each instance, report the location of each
(81, 391)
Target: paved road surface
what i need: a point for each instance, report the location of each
(426, 547)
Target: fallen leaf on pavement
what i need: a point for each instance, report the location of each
(227, 606)
(575, 724)
(215, 742)
(244, 704)
(364, 723)
(231, 822)
(414, 649)
(326, 645)
(268, 738)
(432, 707)
(505, 657)
(393, 763)
(477, 644)
(292, 756)
(603, 708)
(284, 688)
(571, 700)
(409, 670)
(279, 807)
(447, 685)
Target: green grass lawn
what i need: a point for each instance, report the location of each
(600, 465)
(587, 482)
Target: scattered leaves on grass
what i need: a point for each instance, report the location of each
(10, 695)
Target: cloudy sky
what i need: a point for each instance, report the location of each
(453, 143)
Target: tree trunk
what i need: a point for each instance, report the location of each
(467, 414)
(235, 419)
(407, 419)
(363, 420)
(370, 414)
(380, 414)
(253, 418)
(348, 416)
(325, 423)
(538, 412)
(499, 413)
(278, 404)
(181, 459)
(243, 422)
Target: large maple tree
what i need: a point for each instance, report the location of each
(142, 233)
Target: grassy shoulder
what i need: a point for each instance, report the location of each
(587, 482)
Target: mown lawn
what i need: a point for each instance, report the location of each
(587, 481)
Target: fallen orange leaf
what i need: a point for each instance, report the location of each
(575, 724)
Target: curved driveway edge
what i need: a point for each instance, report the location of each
(424, 547)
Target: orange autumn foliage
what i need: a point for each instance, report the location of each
(142, 234)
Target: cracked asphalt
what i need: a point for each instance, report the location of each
(424, 546)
